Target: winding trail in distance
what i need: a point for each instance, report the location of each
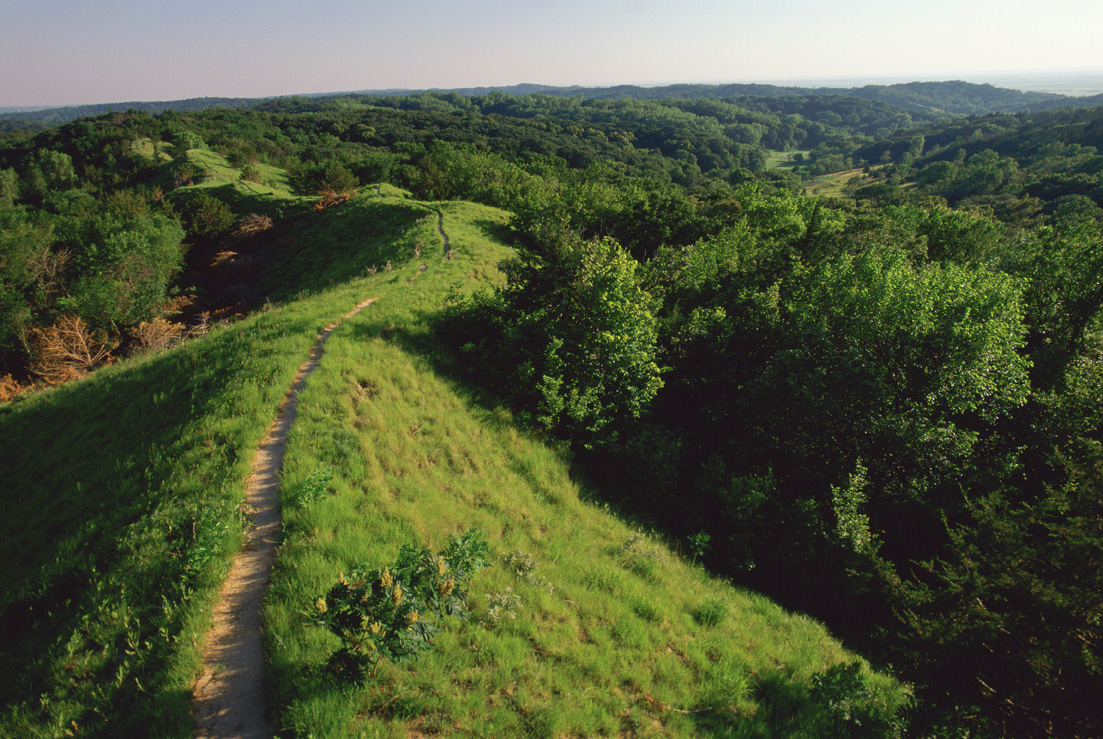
(229, 695)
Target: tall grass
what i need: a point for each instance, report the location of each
(122, 503)
(120, 500)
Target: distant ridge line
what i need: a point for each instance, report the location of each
(969, 98)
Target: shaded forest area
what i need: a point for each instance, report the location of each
(882, 409)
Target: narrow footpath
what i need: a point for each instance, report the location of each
(229, 695)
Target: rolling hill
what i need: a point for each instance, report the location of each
(124, 506)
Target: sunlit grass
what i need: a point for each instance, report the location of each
(612, 647)
(122, 504)
(121, 495)
(609, 639)
(785, 159)
(832, 185)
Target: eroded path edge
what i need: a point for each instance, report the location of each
(229, 695)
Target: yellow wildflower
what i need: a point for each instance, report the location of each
(447, 586)
(397, 594)
(386, 579)
(376, 627)
(442, 566)
(413, 617)
(320, 604)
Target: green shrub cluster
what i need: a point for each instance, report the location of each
(387, 613)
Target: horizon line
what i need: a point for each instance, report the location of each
(837, 82)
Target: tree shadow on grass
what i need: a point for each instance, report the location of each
(496, 231)
(785, 703)
(340, 244)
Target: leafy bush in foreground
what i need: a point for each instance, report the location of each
(381, 613)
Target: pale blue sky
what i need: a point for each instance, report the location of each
(55, 52)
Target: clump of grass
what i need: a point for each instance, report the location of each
(641, 555)
(647, 610)
(502, 606)
(727, 684)
(523, 567)
(710, 612)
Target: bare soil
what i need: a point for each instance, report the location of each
(229, 695)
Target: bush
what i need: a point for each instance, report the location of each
(68, 350)
(331, 175)
(157, 333)
(206, 215)
(250, 173)
(385, 613)
(252, 224)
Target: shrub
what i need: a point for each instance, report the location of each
(385, 613)
(157, 334)
(250, 173)
(853, 702)
(252, 224)
(10, 387)
(206, 215)
(329, 198)
(523, 566)
(502, 606)
(68, 350)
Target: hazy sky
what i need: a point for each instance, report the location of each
(55, 52)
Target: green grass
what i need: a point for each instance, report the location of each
(121, 513)
(833, 185)
(156, 150)
(629, 639)
(270, 196)
(120, 504)
(614, 648)
(784, 159)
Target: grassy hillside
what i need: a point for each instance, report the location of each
(123, 506)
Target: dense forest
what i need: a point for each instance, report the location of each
(881, 408)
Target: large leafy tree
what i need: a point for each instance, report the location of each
(850, 400)
(571, 338)
(124, 268)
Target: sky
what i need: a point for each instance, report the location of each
(70, 52)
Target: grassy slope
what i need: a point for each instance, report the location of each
(832, 185)
(119, 500)
(120, 516)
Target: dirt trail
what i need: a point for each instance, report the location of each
(229, 695)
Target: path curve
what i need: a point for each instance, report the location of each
(229, 695)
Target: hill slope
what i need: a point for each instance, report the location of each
(124, 506)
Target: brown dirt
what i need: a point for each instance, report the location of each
(229, 695)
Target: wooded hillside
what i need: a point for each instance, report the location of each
(880, 409)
